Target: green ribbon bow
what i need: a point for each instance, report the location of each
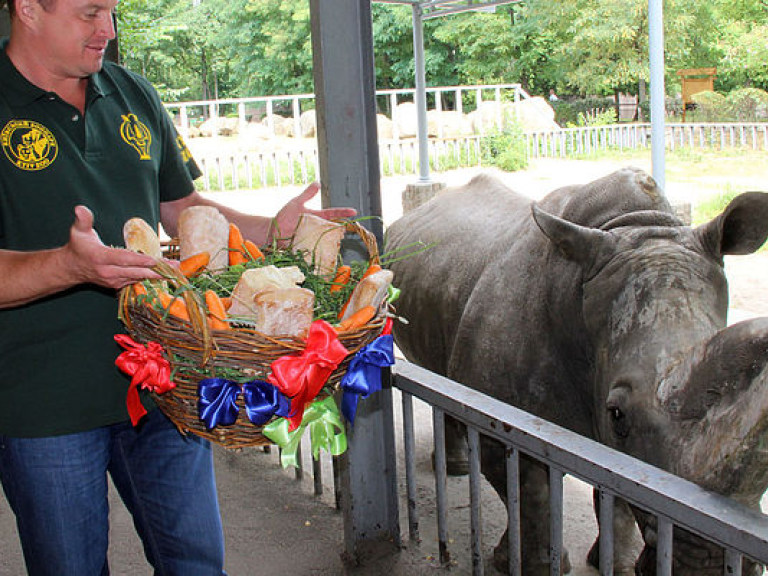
(326, 430)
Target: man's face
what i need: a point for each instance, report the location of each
(74, 35)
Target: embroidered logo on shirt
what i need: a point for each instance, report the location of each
(186, 155)
(136, 133)
(28, 145)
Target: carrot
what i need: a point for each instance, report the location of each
(173, 304)
(194, 264)
(372, 269)
(236, 243)
(227, 301)
(343, 273)
(253, 251)
(357, 320)
(216, 311)
(139, 289)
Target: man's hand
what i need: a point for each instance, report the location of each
(289, 215)
(90, 261)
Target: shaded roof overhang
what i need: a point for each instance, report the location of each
(436, 8)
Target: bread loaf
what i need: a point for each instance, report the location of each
(320, 240)
(370, 291)
(255, 280)
(284, 311)
(204, 229)
(140, 237)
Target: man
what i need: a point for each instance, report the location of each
(86, 146)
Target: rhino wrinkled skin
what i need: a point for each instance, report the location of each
(596, 309)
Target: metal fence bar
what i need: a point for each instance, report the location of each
(664, 533)
(513, 511)
(476, 523)
(438, 423)
(555, 519)
(409, 444)
(606, 504)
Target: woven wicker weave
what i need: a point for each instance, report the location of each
(193, 345)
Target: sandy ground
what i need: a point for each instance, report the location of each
(275, 523)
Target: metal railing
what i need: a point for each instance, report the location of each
(740, 531)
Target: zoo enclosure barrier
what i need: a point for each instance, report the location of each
(250, 170)
(458, 98)
(569, 142)
(740, 531)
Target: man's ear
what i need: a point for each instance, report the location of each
(27, 10)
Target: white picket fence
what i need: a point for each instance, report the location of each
(249, 170)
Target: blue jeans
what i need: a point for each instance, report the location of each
(57, 487)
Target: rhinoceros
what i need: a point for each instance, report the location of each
(595, 308)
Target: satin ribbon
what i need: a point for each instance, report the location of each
(363, 376)
(326, 430)
(302, 376)
(147, 368)
(217, 402)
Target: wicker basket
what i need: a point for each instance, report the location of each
(242, 349)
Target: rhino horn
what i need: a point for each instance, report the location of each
(740, 229)
(722, 410)
(578, 243)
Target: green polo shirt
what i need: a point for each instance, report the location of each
(121, 159)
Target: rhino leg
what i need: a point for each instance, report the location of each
(627, 542)
(456, 448)
(534, 511)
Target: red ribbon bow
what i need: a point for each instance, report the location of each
(147, 367)
(302, 376)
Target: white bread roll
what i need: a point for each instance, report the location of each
(140, 237)
(255, 280)
(370, 291)
(320, 239)
(284, 311)
(204, 229)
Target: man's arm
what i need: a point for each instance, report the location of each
(28, 276)
(258, 229)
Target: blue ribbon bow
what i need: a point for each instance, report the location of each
(363, 376)
(217, 402)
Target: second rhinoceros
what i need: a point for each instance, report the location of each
(597, 309)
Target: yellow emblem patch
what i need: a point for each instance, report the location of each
(182, 146)
(28, 145)
(136, 133)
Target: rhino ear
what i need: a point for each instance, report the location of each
(740, 229)
(577, 243)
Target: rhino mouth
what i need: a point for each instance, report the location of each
(691, 554)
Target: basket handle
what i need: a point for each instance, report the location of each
(369, 240)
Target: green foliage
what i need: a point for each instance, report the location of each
(197, 49)
(504, 149)
(710, 106)
(748, 105)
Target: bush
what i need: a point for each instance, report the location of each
(748, 105)
(710, 107)
(567, 111)
(504, 149)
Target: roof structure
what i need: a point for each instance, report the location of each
(436, 8)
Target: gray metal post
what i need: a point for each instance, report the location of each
(421, 93)
(342, 46)
(656, 56)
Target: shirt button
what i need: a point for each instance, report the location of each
(75, 118)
